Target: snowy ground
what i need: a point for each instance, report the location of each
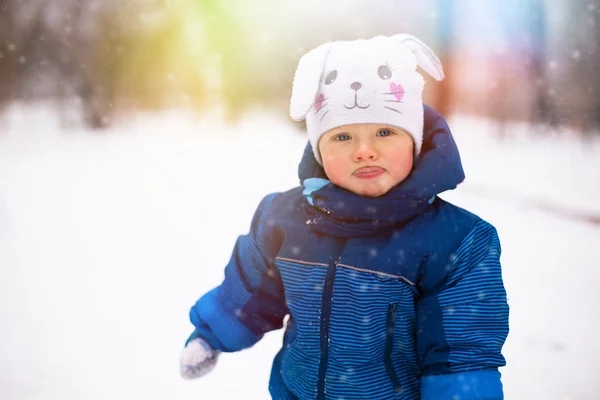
(106, 240)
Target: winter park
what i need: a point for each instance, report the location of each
(137, 141)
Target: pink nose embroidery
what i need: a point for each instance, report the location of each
(397, 90)
(319, 101)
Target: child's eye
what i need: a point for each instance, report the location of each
(384, 132)
(342, 137)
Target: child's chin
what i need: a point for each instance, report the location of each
(372, 191)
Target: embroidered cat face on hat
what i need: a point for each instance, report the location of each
(363, 81)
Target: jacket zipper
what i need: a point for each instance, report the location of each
(325, 319)
(389, 346)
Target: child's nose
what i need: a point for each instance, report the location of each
(365, 151)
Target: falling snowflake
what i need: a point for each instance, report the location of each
(400, 255)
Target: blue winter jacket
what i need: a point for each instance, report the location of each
(414, 311)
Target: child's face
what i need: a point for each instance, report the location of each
(367, 159)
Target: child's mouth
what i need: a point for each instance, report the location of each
(369, 172)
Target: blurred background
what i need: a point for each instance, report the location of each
(529, 60)
(137, 138)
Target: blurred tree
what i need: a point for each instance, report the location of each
(101, 65)
(445, 31)
(227, 42)
(544, 108)
(593, 114)
(577, 56)
(9, 50)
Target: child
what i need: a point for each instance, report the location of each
(391, 292)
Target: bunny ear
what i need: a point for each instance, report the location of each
(306, 81)
(426, 58)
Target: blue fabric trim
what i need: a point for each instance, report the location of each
(389, 347)
(265, 310)
(231, 333)
(325, 319)
(312, 185)
(432, 348)
(473, 385)
(195, 335)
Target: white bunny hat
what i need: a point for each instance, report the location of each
(363, 81)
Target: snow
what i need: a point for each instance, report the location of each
(107, 239)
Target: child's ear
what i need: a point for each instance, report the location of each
(307, 80)
(426, 58)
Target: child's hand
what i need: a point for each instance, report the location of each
(197, 358)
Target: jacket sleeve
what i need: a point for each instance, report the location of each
(462, 324)
(250, 301)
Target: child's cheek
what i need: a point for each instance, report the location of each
(334, 168)
(403, 164)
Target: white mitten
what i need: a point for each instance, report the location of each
(197, 359)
